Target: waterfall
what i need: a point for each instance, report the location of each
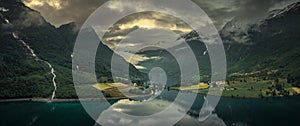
(53, 79)
(52, 71)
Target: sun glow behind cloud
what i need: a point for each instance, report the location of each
(156, 21)
(154, 24)
(56, 4)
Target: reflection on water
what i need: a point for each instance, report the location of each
(206, 111)
(154, 112)
(115, 114)
(232, 112)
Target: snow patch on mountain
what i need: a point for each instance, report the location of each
(239, 31)
(280, 12)
(3, 9)
(7, 21)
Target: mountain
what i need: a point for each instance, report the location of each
(273, 44)
(270, 44)
(36, 57)
(31, 48)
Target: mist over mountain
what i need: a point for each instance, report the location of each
(271, 43)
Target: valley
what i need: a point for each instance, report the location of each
(149, 67)
(266, 64)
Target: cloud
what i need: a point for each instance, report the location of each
(63, 11)
(151, 20)
(56, 4)
(221, 11)
(142, 39)
(116, 38)
(59, 12)
(122, 6)
(141, 30)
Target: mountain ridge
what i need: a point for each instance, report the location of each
(51, 44)
(267, 45)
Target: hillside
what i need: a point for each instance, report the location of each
(24, 69)
(270, 45)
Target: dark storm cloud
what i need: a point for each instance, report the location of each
(63, 11)
(253, 9)
(221, 11)
(154, 20)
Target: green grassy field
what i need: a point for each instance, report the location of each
(118, 90)
(248, 89)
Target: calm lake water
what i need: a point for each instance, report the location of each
(233, 112)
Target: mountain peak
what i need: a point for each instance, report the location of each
(239, 31)
(70, 24)
(193, 35)
(281, 12)
(69, 27)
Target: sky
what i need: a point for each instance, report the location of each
(59, 12)
(154, 24)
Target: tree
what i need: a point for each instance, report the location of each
(278, 86)
(260, 94)
(296, 84)
(290, 79)
(274, 93)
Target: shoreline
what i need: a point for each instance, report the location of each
(46, 100)
(239, 97)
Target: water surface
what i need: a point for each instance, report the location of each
(235, 112)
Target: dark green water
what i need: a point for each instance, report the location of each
(260, 112)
